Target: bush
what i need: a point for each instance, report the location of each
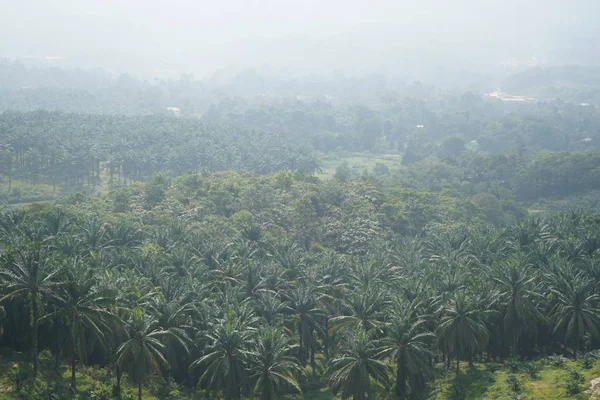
(573, 387)
(102, 391)
(343, 171)
(493, 367)
(21, 375)
(576, 376)
(513, 364)
(532, 368)
(589, 359)
(381, 169)
(557, 361)
(458, 391)
(514, 383)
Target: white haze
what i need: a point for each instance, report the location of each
(416, 39)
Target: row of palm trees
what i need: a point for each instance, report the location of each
(242, 315)
(73, 149)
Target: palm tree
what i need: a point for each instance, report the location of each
(173, 318)
(303, 301)
(83, 308)
(27, 274)
(271, 366)
(143, 353)
(363, 310)
(359, 361)
(516, 298)
(408, 344)
(462, 328)
(576, 311)
(226, 356)
(269, 307)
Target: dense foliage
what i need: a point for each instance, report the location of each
(244, 285)
(73, 149)
(214, 257)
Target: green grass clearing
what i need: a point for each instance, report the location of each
(358, 163)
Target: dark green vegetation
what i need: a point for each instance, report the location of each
(448, 248)
(73, 150)
(241, 284)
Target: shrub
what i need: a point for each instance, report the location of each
(493, 367)
(513, 364)
(557, 361)
(458, 391)
(589, 359)
(21, 375)
(573, 387)
(576, 376)
(532, 368)
(381, 169)
(514, 383)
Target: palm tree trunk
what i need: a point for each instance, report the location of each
(457, 363)
(326, 339)
(400, 380)
(73, 378)
(301, 348)
(119, 373)
(34, 334)
(313, 365)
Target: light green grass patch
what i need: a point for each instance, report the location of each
(358, 163)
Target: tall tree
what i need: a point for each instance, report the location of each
(226, 357)
(409, 345)
(27, 273)
(516, 298)
(143, 353)
(576, 311)
(271, 366)
(359, 361)
(84, 309)
(462, 329)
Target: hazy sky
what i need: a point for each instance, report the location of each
(201, 36)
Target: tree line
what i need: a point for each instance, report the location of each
(74, 149)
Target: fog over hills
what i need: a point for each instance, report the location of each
(433, 40)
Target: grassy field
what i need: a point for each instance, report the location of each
(22, 192)
(358, 163)
(482, 383)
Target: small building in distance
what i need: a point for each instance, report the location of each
(174, 110)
